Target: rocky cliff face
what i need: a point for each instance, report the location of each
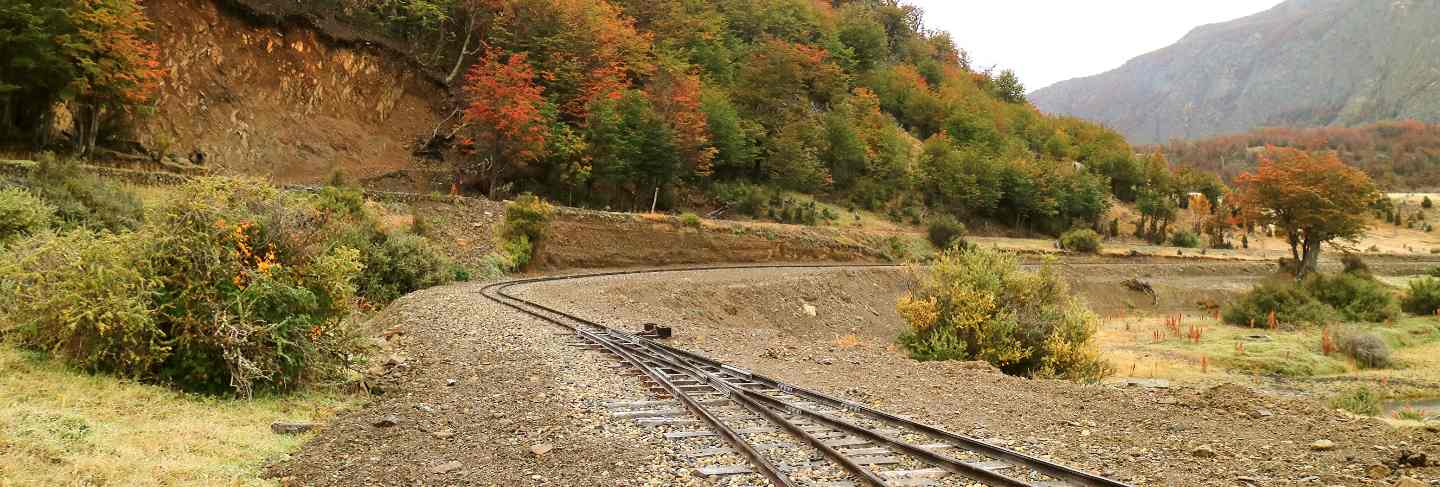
(1302, 63)
(282, 102)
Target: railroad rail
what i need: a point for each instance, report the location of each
(786, 435)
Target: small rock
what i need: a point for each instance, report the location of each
(541, 449)
(825, 360)
(1377, 471)
(809, 310)
(1409, 482)
(1263, 413)
(1322, 445)
(1414, 459)
(286, 428)
(444, 434)
(1203, 451)
(425, 408)
(446, 467)
(451, 382)
(386, 422)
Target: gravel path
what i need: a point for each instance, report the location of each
(525, 408)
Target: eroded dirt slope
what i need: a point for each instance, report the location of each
(281, 101)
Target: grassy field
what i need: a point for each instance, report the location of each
(63, 427)
(1146, 346)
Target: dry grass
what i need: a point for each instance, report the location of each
(1201, 349)
(62, 427)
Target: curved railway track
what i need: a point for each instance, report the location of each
(760, 430)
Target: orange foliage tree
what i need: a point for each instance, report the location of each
(117, 69)
(676, 98)
(507, 116)
(1313, 198)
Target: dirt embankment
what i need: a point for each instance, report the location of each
(590, 239)
(284, 101)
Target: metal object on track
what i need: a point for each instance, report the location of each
(653, 330)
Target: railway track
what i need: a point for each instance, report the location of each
(748, 429)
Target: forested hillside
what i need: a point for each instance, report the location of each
(1303, 63)
(1399, 156)
(707, 103)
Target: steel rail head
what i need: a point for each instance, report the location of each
(1061, 472)
(741, 395)
(763, 465)
(985, 476)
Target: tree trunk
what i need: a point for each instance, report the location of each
(464, 52)
(6, 117)
(97, 113)
(1294, 241)
(44, 126)
(1311, 260)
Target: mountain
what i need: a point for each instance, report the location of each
(1302, 63)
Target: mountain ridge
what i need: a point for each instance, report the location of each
(1355, 62)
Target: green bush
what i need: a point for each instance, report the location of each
(1354, 264)
(1290, 303)
(231, 286)
(85, 200)
(1185, 239)
(22, 214)
(341, 200)
(84, 297)
(690, 220)
(976, 304)
(1081, 240)
(1426, 203)
(1359, 400)
(1423, 297)
(527, 221)
(1356, 297)
(401, 264)
(1367, 349)
(252, 291)
(945, 231)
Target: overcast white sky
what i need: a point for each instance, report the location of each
(1047, 41)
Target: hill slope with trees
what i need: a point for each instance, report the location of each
(1399, 156)
(629, 104)
(1302, 63)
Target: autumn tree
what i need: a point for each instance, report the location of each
(117, 68)
(1312, 198)
(90, 53)
(588, 49)
(676, 99)
(507, 117)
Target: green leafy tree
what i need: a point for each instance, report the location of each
(34, 70)
(1009, 88)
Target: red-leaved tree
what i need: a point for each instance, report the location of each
(507, 117)
(1313, 198)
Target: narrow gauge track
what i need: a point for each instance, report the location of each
(791, 436)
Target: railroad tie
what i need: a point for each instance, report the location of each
(652, 413)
